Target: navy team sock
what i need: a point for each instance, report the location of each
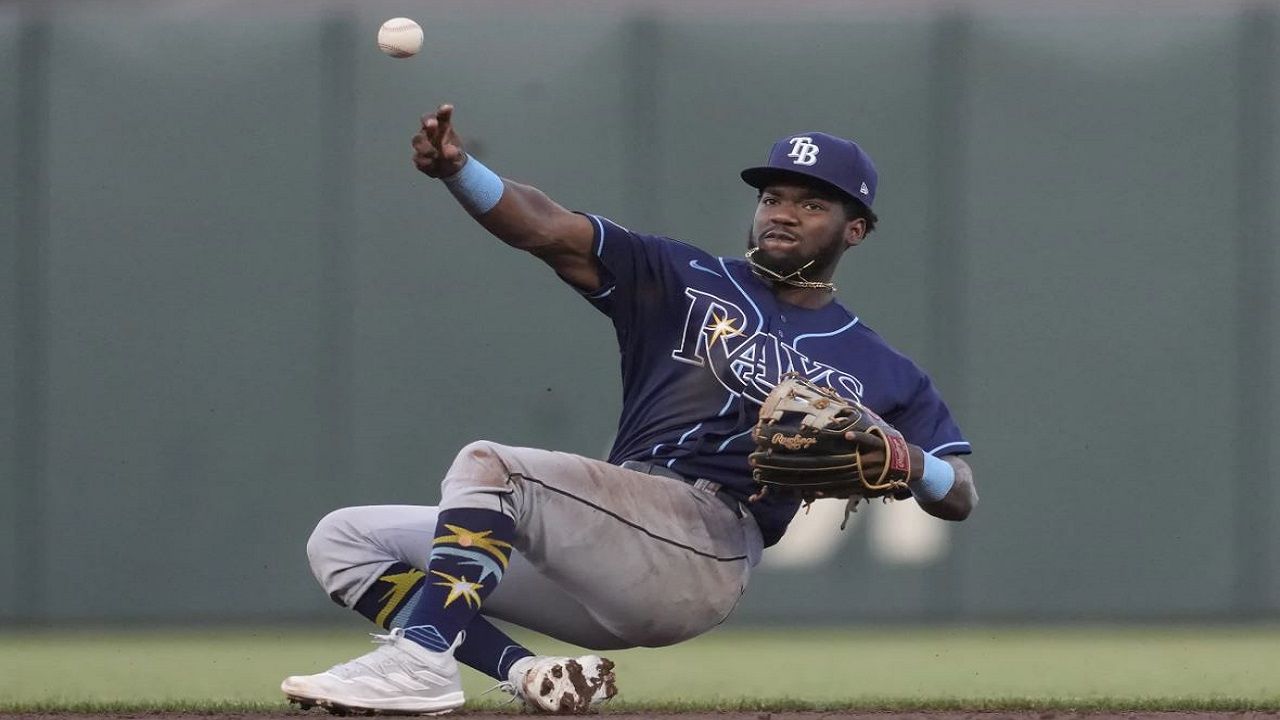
(391, 599)
(489, 650)
(469, 554)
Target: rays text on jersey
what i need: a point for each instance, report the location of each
(715, 336)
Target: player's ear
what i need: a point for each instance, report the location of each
(854, 231)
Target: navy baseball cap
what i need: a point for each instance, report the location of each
(833, 160)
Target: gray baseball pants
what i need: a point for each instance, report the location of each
(605, 557)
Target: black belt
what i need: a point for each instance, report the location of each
(707, 486)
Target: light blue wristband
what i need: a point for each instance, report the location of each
(476, 187)
(936, 482)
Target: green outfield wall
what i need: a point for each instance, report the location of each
(229, 304)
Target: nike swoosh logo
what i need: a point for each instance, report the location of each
(694, 264)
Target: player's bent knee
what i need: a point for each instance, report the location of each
(480, 465)
(333, 547)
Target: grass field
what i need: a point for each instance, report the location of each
(977, 668)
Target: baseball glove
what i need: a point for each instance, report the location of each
(813, 443)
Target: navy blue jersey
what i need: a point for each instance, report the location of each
(704, 340)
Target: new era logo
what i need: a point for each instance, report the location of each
(864, 189)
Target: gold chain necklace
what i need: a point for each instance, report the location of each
(795, 278)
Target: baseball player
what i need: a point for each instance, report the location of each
(655, 545)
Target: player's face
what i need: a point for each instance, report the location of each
(797, 223)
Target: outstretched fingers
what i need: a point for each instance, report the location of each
(445, 115)
(437, 126)
(450, 148)
(437, 149)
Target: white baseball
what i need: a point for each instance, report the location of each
(400, 37)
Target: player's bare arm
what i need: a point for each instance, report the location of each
(961, 498)
(523, 216)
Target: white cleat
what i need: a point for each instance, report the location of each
(399, 677)
(563, 685)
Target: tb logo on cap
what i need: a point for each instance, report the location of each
(803, 150)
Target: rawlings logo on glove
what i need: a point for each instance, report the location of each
(793, 442)
(813, 443)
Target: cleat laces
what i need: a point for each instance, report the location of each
(377, 661)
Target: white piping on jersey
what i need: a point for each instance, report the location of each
(683, 437)
(732, 396)
(735, 437)
(958, 443)
(759, 315)
(686, 435)
(796, 342)
(698, 266)
(599, 228)
(599, 247)
(728, 404)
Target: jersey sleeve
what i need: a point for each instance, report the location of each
(924, 420)
(635, 269)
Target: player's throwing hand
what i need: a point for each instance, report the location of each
(437, 149)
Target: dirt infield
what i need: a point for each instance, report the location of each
(489, 715)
